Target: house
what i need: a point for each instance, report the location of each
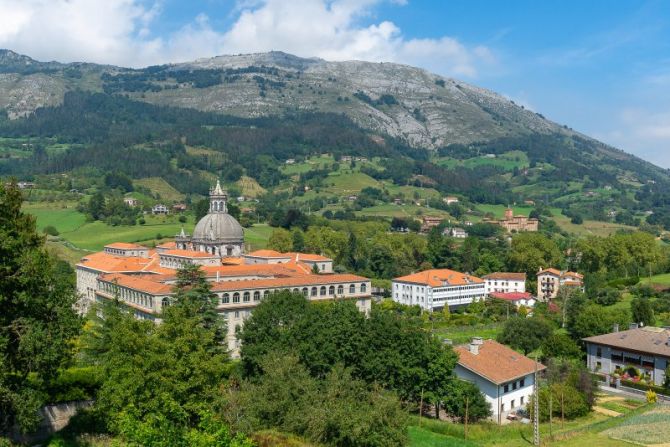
(519, 299)
(240, 198)
(550, 281)
(131, 201)
(397, 201)
(505, 282)
(430, 222)
(456, 233)
(290, 161)
(179, 207)
(450, 199)
(160, 209)
(512, 223)
(435, 288)
(322, 263)
(645, 348)
(25, 185)
(505, 377)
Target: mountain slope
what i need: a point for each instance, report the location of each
(423, 109)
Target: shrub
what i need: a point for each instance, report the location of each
(652, 398)
(51, 230)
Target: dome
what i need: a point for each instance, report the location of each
(220, 227)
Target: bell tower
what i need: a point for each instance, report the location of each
(217, 199)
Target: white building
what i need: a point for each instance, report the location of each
(456, 233)
(504, 376)
(550, 281)
(505, 282)
(160, 209)
(433, 289)
(519, 299)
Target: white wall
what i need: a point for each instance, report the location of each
(504, 286)
(430, 298)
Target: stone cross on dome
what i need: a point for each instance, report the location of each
(217, 199)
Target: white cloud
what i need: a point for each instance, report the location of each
(119, 32)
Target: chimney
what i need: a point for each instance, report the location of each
(217, 276)
(633, 326)
(475, 344)
(615, 328)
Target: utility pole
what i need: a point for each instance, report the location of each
(551, 401)
(421, 407)
(536, 408)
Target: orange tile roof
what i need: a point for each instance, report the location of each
(140, 283)
(437, 278)
(575, 274)
(307, 257)
(550, 271)
(189, 254)
(124, 246)
(297, 281)
(506, 276)
(267, 254)
(167, 245)
(495, 362)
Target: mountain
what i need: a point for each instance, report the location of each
(457, 137)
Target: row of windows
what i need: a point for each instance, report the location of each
(452, 288)
(246, 297)
(513, 404)
(128, 295)
(513, 386)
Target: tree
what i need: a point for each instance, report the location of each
(160, 381)
(96, 206)
(37, 319)
(532, 251)
(526, 334)
(461, 394)
(280, 240)
(642, 311)
(595, 320)
(560, 346)
(298, 237)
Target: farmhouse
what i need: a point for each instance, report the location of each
(504, 376)
(519, 299)
(131, 201)
(160, 209)
(647, 349)
(433, 289)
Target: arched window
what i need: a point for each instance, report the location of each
(165, 302)
(236, 297)
(331, 290)
(322, 292)
(266, 294)
(296, 291)
(305, 291)
(340, 289)
(314, 290)
(247, 297)
(225, 299)
(257, 295)
(352, 288)
(363, 288)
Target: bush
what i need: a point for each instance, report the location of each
(182, 219)
(51, 230)
(76, 384)
(566, 401)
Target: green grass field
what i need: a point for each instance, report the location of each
(463, 334)
(160, 186)
(660, 280)
(64, 217)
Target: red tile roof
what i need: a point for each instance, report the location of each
(495, 362)
(140, 283)
(267, 254)
(125, 246)
(298, 281)
(511, 296)
(106, 262)
(440, 277)
(189, 254)
(550, 271)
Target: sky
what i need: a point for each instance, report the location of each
(601, 67)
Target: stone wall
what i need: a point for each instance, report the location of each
(54, 418)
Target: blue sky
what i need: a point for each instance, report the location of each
(601, 67)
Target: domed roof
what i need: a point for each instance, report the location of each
(220, 227)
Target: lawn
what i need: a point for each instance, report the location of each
(391, 210)
(257, 236)
(463, 334)
(160, 186)
(63, 216)
(660, 280)
(498, 211)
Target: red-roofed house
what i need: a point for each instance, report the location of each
(433, 289)
(505, 282)
(549, 282)
(504, 376)
(517, 298)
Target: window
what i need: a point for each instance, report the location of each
(323, 267)
(305, 291)
(352, 289)
(225, 299)
(363, 288)
(237, 313)
(165, 302)
(599, 351)
(331, 290)
(296, 291)
(266, 294)
(506, 388)
(340, 290)
(512, 405)
(314, 291)
(236, 298)
(257, 295)
(247, 297)
(522, 399)
(513, 387)
(502, 408)
(322, 291)
(522, 383)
